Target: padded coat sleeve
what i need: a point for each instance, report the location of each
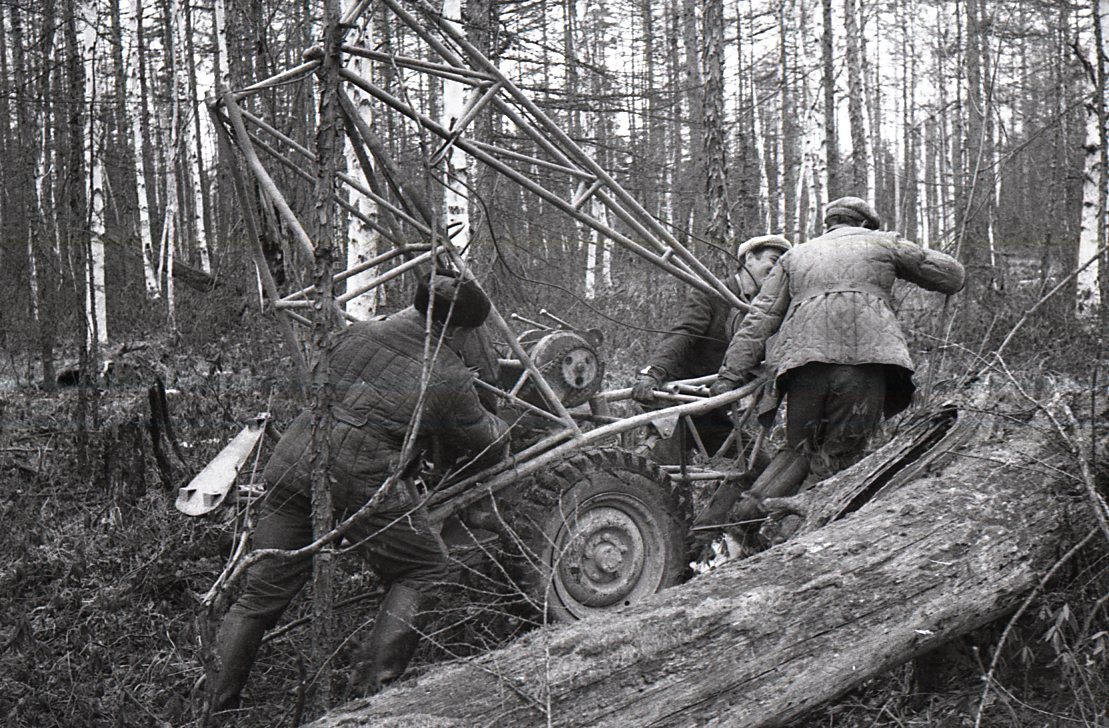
(465, 427)
(693, 322)
(929, 269)
(769, 308)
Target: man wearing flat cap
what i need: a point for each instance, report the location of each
(377, 375)
(695, 344)
(839, 356)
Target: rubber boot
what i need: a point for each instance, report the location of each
(392, 642)
(720, 505)
(783, 476)
(239, 639)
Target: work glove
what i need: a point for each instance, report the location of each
(722, 386)
(725, 384)
(643, 391)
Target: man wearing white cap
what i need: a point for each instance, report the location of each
(696, 343)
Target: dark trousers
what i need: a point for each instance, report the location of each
(397, 541)
(833, 409)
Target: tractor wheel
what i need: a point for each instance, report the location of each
(600, 531)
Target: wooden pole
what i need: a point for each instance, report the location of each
(268, 284)
(264, 180)
(530, 185)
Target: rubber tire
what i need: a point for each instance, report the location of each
(592, 490)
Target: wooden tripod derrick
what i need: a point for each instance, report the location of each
(571, 177)
(541, 144)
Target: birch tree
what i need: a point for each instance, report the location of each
(96, 308)
(856, 113)
(363, 241)
(719, 228)
(788, 182)
(456, 201)
(133, 121)
(195, 140)
(828, 83)
(765, 203)
(694, 85)
(171, 120)
(1093, 221)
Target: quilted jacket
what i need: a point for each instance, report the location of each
(829, 301)
(376, 367)
(696, 343)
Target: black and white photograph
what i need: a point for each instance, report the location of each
(554, 363)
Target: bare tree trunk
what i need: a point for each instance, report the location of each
(674, 201)
(172, 227)
(910, 157)
(977, 184)
(329, 140)
(139, 161)
(787, 128)
(202, 215)
(719, 228)
(764, 200)
(149, 171)
(72, 222)
(48, 263)
(222, 59)
(655, 131)
(362, 240)
(95, 304)
(120, 151)
(485, 30)
(1101, 44)
(872, 110)
(691, 202)
(811, 177)
(856, 114)
(831, 138)
(456, 201)
(1092, 230)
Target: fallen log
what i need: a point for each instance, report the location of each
(759, 642)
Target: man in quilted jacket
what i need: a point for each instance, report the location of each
(838, 354)
(696, 343)
(382, 387)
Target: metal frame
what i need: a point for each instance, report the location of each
(406, 213)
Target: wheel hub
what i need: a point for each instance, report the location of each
(604, 557)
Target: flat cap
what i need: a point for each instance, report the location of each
(763, 241)
(855, 208)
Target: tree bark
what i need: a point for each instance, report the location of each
(456, 201)
(329, 153)
(96, 309)
(719, 228)
(787, 123)
(760, 642)
(691, 204)
(362, 240)
(1092, 228)
(149, 171)
(831, 139)
(859, 159)
(202, 215)
(138, 161)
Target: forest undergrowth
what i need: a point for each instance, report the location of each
(102, 579)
